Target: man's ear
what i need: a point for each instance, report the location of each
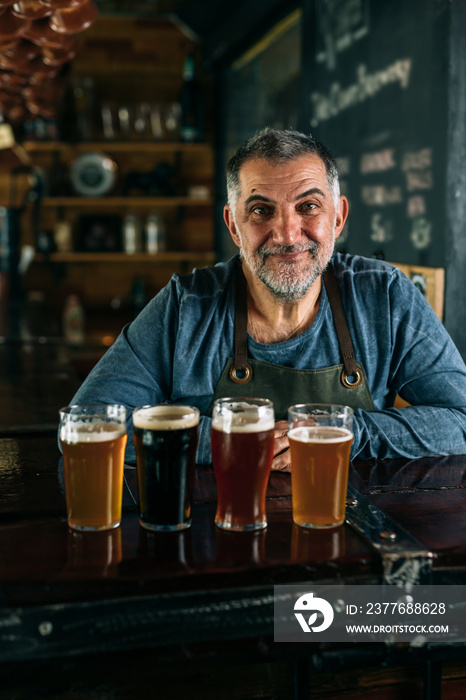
(342, 214)
(230, 222)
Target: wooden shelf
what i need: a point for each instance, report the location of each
(207, 257)
(189, 218)
(118, 201)
(117, 146)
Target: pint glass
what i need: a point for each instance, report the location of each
(242, 452)
(93, 440)
(165, 438)
(320, 437)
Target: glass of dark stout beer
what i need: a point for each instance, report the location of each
(165, 438)
(242, 453)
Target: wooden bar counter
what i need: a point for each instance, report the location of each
(128, 613)
(127, 610)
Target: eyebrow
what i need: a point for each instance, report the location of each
(261, 198)
(313, 190)
(257, 198)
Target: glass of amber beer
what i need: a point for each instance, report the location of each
(93, 440)
(165, 438)
(320, 437)
(242, 452)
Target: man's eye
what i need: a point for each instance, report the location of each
(308, 206)
(260, 210)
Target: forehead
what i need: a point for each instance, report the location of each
(275, 180)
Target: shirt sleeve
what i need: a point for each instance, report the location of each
(427, 370)
(137, 369)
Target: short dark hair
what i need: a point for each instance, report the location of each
(279, 146)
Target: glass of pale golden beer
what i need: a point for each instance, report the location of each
(320, 437)
(165, 439)
(93, 440)
(242, 452)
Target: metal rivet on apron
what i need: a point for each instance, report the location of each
(351, 385)
(388, 535)
(247, 374)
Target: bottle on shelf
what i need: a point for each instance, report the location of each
(73, 320)
(155, 234)
(62, 235)
(192, 104)
(132, 234)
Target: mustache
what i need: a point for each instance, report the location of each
(265, 250)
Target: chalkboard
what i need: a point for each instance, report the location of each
(375, 91)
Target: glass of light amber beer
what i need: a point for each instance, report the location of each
(165, 439)
(93, 440)
(320, 437)
(242, 452)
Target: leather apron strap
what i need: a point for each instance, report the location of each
(351, 375)
(241, 371)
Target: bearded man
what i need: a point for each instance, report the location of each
(287, 319)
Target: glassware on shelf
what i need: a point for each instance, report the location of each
(141, 121)
(156, 240)
(172, 121)
(124, 121)
(156, 122)
(132, 234)
(109, 116)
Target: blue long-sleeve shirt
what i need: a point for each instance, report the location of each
(177, 347)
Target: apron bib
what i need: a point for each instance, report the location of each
(345, 383)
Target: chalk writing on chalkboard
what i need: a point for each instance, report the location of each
(416, 206)
(388, 180)
(381, 195)
(341, 23)
(421, 233)
(378, 162)
(367, 85)
(381, 228)
(417, 167)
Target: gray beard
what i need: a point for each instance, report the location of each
(282, 282)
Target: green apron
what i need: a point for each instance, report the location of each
(345, 383)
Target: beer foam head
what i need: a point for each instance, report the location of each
(320, 433)
(246, 420)
(83, 431)
(165, 417)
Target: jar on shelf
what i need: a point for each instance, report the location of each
(156, 240)
(132, 234)
(62, 236)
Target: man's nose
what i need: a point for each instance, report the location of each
(287, 228)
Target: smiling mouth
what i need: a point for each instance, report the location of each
(288, 255)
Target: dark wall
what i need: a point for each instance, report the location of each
(455, 229)
(375, 90)
(383, 84)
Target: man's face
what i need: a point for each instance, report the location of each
(285, 223)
